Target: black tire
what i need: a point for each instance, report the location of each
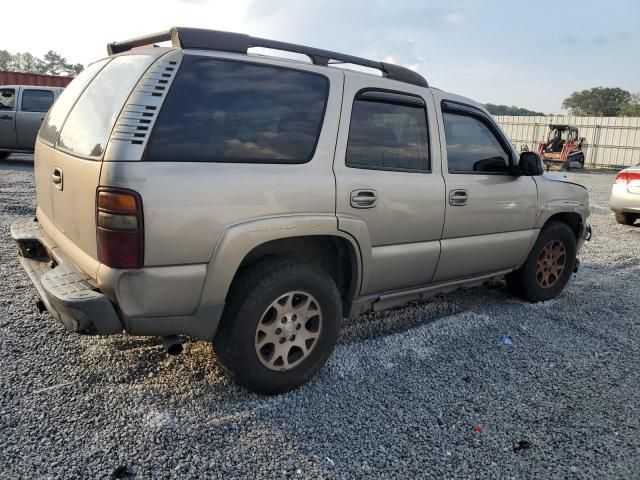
(526, 281)
(626, 218)
(4, 155)
(250, 296)
(577, 158)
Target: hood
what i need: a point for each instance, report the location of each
(559, 177)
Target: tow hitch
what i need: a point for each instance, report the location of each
(576, 266)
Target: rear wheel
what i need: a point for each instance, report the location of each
(549, 265)
(280, 326)
(626, 218)
(4, 155)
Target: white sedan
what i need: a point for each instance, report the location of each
(625, 195)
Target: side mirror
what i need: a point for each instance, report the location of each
(530, 164)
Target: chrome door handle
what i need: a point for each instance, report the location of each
(458, 197)
(56, 178)
(6, 117)
(364, 198)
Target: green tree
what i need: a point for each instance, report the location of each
(25, 62)
(5, 59)
(597, 102)
(53, 63)
(632, 107)
(75, 69)
(56, 64)
(512, 110)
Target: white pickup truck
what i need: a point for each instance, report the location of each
(22, 110)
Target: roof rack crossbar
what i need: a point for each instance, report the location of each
(197, 38)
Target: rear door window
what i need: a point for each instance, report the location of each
(36, 100)
(229, 111)
(88, 126)
(388, 132)
(56, 116)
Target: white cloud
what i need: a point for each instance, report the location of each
(454, 18)
(80, 34)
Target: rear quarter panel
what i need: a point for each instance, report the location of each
(188, 205)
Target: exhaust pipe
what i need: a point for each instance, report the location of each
(40, 306)
(172, 344)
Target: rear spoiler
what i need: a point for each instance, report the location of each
(119, 47)
(198, 38)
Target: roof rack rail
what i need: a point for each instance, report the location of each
(198, 38)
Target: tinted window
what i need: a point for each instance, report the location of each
(55, 118)
(7, 98)
(388, 136)
(37, 100)
(472, 146)
(229, 111)
(91, 120)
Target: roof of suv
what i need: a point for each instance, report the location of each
(202, 39)
(194, 39)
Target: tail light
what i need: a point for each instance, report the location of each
(119, 228)
(625, 178)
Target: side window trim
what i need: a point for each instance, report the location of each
(389, 96)
(457, 108)
(392, 97)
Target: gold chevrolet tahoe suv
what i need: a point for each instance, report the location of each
(203, 190)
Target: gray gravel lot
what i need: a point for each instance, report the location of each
(400, 397)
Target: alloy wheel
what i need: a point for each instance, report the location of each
(288, 331)
(551, 263)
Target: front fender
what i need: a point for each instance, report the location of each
(554, 207)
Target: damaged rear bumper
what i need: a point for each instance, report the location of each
(68, 293)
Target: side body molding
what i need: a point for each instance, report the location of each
(240, 239)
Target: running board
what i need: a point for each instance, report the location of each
(385, 301)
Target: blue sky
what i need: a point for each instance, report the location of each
(530, 54)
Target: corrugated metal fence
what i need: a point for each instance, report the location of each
(611, 141)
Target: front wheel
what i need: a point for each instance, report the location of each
(549, 265)
(280, 326)
(626, 218)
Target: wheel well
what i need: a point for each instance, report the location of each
(335, 255)
(573, 220)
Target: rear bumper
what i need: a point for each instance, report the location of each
(624, 201)
(68, 293)
(77, 302)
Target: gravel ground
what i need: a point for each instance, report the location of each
(419, 392)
